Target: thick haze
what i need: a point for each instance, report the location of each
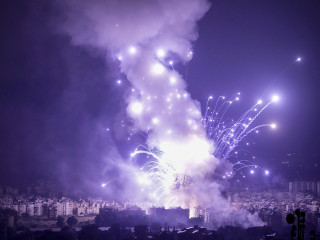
(59, 93)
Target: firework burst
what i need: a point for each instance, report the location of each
(175, 165)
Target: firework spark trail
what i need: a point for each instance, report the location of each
(227, 136)
(162, 172)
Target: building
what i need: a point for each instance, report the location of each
(194, 212)
(305, 186)
(171, 216)
(30, 209)
(52, 211)
(68, 208)
(38, 209)
(22, 208)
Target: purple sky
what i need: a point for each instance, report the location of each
(57, 99)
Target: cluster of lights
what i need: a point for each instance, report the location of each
(228, 134)
(160, 53)
(226, 137)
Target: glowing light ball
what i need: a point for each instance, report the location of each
(275, 98)
(157, 68)
(173, 80)
(298, 59)
(259, 102)
(181, 155)
(161, 53)
(119, 82)
(266, 172)
(136, 108)
(251, 171)
(155, 120)
(132, 50)
(273, 125)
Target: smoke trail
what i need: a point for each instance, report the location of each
(146, 38)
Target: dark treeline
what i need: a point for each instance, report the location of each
(115, 232)
(122, 225)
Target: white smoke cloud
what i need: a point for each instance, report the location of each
(147, 37)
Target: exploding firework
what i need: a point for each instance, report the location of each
(173, 168)
(227, 134)
(183, 149)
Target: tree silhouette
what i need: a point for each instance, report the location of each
(72, 221)
(89, 232)
(141, 230)
(60, 222)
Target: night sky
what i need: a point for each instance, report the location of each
(58, 99)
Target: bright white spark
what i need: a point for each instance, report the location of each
(155, 120)
(161, 53)
(273, 125)
(275, 98)
(136, 108)
(132, 50)
(158, 68)
(173, 80)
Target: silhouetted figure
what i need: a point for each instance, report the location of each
(300, 227)
(312, 235)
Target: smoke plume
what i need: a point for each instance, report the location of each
(147, 38)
